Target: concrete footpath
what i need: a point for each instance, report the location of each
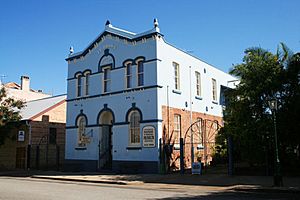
(219, 181)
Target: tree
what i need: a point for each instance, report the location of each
(9, 112)
(247, 116)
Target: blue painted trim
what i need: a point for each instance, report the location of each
(71, 127)
(176, 91)
(120, 67)
(106, 109)
(132, 109)
(115, 35)
(117, 92)
(151, 121)
(106, 53)
(118, 123)
(199, 98)
(215, 102)
(139, 57)
(80, 148)
(133, 148)
(121, 123)
(81, 114)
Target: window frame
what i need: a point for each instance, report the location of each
(86, 83)
(200, 125)
(140, 73)
(176, 69)
(106, 81)
(79, 85)
(177, 130)
(134, 128)
(128, 77)
(81, 124)
(198, 84)
(214, 90)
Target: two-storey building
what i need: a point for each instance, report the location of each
(128, 93)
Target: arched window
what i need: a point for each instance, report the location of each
(140, 73)
(81, 123)
(79, 84)
(134, 128)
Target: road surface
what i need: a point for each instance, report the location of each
(12, 188)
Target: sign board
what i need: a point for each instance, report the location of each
(21, 136)
(196, 168)
(148, 136)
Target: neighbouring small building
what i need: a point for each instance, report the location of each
(38, 141)
(23, 91)
(132, 96)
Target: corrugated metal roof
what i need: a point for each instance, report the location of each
(35, 107)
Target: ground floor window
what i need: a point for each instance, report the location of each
(134, 128)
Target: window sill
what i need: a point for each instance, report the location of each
(214, 102)
(176, 91)
(80, 148)
(133, 148)
(198, 97)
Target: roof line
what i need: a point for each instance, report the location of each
(46, 98)
(196, 57)
(48, 109)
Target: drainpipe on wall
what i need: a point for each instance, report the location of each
(29, 133)
(191, 119)
(29, 144)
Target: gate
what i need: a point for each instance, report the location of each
(198, 146)
(46, 157)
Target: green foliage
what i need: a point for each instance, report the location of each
(247, 117)
(9, 112)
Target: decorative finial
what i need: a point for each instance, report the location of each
(107, 23)
(155, 22)
(71, 50)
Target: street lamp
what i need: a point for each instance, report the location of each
(277, 176)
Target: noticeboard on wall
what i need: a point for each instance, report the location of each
(148, 136)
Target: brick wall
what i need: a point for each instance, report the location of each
(203, 135)
(57, 114)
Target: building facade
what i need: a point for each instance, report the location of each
(38, 141)
(129, 94)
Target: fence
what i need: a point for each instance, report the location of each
(45, 157)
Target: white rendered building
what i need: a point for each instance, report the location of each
(129, 92)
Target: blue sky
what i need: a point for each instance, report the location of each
(35, 36)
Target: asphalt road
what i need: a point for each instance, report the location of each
(35, 189)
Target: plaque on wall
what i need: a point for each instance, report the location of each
(148, 136)
(21, 136)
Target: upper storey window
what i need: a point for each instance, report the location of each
(87, 82)
(140, 73)
(128, 75)
(79, 85)
(214, 89)
(198, 83)
(176, 75)
(106, 79)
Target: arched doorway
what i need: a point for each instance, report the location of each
(105, 140)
